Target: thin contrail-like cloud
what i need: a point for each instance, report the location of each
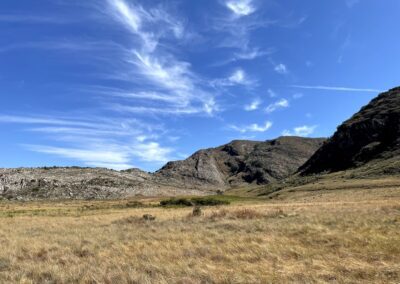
(328, 88)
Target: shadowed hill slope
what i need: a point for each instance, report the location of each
(371, 136)
(241, 162)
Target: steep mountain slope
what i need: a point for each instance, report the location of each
(370, 139)
(241, 162)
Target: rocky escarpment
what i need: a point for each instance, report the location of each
(370, 136)
(241, 162)
(81, 183)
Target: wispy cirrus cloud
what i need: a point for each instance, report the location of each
(282, 103)
(302, 131)
(95, 141)
(281, 69)
(32, 19)
(165, 78)
(110, 158)
(338, 89)
(251, 53)
(43, 120)
(235, 27)
(144, 110)
(252, 127)
(246, 53)
(156, 83)
(241, 8)
(70, 45)
(254, 105)
(237, 77)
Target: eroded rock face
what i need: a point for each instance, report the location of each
(277, 159)
(81, 183)
(372, 133)
(209, 167)
(242, 162)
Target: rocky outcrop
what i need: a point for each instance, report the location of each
(82, 183)
(241, 162)
(371, 134)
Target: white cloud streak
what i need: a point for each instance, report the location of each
(338, 89)
(282, 103)
(14, 18)
(252, 127)
(254, 105)
(235, 28)
(238, 77)
(165, 78)
(302, 131)
(281, 69)
(111, 156)
(250, 54)
(112, 143)
(241, 8)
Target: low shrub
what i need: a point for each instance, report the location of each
(209, 201)
(198, 201)
(196, 211)
(176, 202)
(148, 217)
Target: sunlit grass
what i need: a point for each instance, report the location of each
(109, 242)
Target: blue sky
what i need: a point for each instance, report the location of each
(129, 83)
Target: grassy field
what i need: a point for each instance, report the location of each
(317, 236)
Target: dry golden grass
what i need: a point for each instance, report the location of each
(303, 242)
(332, 187)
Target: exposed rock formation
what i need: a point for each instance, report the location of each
(373, 134)
(241, 162)
(81, 183)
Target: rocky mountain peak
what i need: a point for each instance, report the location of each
(372, 133)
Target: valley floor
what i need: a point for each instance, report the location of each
(339, 240)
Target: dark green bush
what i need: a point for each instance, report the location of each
(198, 201)
(176, 202)
(209, 201)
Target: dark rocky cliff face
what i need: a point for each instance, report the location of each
(241, 162)
(372, 133)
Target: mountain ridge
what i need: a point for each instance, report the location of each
(237, 163)
(366, 144)
(369, 135)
